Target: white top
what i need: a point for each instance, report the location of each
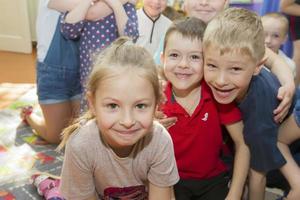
(289, 61)
(151, 31)
(45, 27)
(90, 165)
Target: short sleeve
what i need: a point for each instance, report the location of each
(163, 170)
(229, 113)
(77, 176)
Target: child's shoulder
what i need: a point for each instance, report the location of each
(159, 135)
(85, 136)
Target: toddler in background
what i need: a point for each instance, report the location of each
(276, 28)
(152, 24)
(115, 150)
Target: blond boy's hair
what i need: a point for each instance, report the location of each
(280, 18)
(236, 30)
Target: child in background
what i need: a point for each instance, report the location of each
(292, 9)
(115, 150)
(152, 24)
(276, 28)
(94, 36)
(197, 134)
(234, 55)
(58, 89)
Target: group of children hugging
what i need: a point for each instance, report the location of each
(148, 131)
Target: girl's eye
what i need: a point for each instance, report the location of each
(112, 106)
(141, 106)
(195, 57)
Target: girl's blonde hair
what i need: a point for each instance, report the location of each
(121, 56)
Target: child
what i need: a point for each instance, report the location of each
(152, 24)
(116, 150)
(197, 135)
(276, 28)
(234, 54)
(57, 78)
(94, 36)
(292, 8)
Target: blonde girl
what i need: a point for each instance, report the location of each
(116, 150)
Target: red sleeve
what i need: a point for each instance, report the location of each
(229, 113)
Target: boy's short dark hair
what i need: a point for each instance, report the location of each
(192, 28)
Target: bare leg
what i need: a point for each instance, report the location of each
(56, 118)
(257, 184)
(289, 132)
(296, 58)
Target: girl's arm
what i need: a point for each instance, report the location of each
(96, 12)
(286, 92)
(241, 161)
(162, 193)
(290, 7)
(120, 14)
(78, 13)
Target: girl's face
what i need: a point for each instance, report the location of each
(124, 105)
(205, 10)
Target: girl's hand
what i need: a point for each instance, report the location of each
(285, 95)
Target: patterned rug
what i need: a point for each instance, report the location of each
(22, 153)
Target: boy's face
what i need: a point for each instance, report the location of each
(205, 10)
(183, 63)
(274, 33)
(229, 74)
(153, 8)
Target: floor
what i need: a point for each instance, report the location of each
(17, 67)
(17, 75)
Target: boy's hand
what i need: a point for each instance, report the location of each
(167, 122)
(285, 95)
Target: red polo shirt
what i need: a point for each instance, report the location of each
(197, 139)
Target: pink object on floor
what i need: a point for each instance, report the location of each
(47, 187)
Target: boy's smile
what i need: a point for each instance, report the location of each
(228, 74)
(183, 63)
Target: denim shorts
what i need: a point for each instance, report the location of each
(296, 112)
(57, 84)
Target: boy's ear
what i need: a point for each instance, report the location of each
(259, 65)
(91, 103)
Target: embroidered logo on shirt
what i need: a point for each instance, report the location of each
(205, 117)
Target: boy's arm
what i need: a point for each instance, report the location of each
(290, 7)
(286, 92)
(163, 193)
(241, 161)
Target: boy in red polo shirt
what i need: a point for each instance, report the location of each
(197, 135)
